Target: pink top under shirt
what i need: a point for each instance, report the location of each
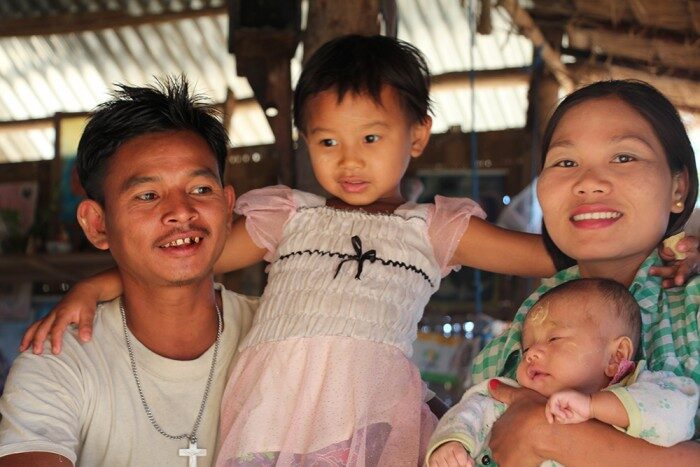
(267, 211)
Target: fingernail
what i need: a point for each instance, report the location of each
(493, 384)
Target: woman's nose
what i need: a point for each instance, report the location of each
(591, 181)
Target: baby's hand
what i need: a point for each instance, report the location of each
(568, 407)
(450, 454)
(681, 261)
(77, 307)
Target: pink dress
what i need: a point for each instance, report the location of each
(324, 376)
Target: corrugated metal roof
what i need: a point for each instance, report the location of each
(73, 72)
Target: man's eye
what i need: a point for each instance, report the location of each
(202, 190)
(329, 142)
(623, 158)
(150, 196)
(565, 163)
(372, 138)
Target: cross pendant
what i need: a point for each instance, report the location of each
(193, 453)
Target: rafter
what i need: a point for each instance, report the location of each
(649, 49)
(75, 23)
(529, 29)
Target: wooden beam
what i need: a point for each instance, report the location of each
(76, 23)
(652, 50)
(26, 125)
(684, 93)
(482, 79)
(529, 29)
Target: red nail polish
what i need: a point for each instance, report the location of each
(493, 384)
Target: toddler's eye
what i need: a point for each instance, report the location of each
(372, 138)
(150, 196)
(329, 142)
(552, 339)
(623, 158)
(565, 163)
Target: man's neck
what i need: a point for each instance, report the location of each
(177, 322)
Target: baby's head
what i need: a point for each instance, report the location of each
(576, 336)
(362, 105)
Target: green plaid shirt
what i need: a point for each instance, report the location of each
(669, 341)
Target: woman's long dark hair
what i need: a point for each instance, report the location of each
(663, 117)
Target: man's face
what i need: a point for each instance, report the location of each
(166, 215)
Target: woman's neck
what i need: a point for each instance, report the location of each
(621, 270)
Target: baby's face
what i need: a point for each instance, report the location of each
(564, 346)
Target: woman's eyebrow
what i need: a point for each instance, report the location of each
(621, 138)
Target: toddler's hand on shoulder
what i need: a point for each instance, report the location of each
(450, 454)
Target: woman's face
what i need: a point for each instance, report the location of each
(606, 190)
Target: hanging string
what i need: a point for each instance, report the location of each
(478, 305)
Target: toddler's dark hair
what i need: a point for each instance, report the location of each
(363, 64)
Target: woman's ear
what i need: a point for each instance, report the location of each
(91, 217)
(680, 191)
(420, 135)
(620, 349)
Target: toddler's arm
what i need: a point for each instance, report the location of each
(450, 454)
(79, 304)
(491, 248)
(575, 407)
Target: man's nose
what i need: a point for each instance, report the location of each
(179, 209)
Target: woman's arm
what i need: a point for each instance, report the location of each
(522, 436)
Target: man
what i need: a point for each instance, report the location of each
(146, 389)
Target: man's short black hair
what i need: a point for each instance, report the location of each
(363, 64)
(137, 111)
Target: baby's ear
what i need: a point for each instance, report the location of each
(620, 349)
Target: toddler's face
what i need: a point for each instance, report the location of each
(564, 346)
(360, 149)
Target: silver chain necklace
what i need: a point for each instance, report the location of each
(192, 451)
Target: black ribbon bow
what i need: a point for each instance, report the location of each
(359, 256)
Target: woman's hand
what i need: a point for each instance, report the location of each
(516, 435)
(676, 272)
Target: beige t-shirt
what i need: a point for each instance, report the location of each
(83, 404)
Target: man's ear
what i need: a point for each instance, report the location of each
(680, 191)
(91, 217)
(620, 349)
(420, 135)
(230, 195)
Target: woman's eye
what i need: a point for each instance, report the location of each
(329, 142)
(150, 196)
(565, 163)
(202, 190)
(622, 158)
(372, 138)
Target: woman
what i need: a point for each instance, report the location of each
(618, 176)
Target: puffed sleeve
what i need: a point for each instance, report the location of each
(447, 221)
(267, 211)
